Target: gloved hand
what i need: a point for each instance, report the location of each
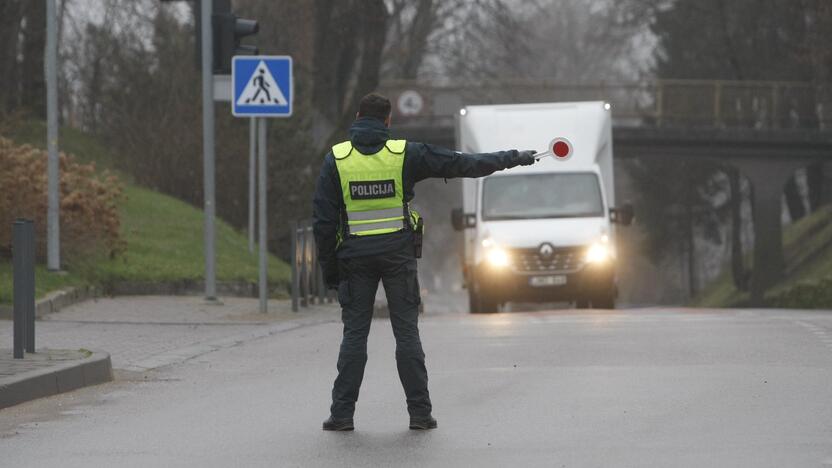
(331, 278)
(526, 158)
(332, 282)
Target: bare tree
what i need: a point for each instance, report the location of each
(565, 41)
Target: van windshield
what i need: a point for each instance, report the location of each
(531, 196)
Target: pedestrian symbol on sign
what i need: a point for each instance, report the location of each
(262, 89)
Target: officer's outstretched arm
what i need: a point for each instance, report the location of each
(426, 161)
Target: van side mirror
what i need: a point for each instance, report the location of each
(461, 220)
(623, 215)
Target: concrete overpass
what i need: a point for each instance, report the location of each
(767, 130)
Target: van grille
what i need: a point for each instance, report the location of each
(562, 259)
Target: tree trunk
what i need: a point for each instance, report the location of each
(691, 250)
(417, 39)
(374, 31)
(738, 271)
(11, 14)
(33, 80)
(826, 193)
(794, 201)
(815, 182)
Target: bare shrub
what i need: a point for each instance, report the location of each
(89, 213)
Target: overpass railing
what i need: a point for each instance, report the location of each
(689, 103)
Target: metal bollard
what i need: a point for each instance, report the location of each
(23, 262)
(311, 271)
(310, 265)
(320, 285)
(304, 284)
(308, 286)
(293, 228)
(29, 281)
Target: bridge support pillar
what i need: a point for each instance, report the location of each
(768, 178)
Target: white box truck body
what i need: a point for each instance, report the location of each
(540, 233)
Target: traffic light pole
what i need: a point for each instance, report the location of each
(208, 148)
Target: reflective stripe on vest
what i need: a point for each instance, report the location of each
(372, 188)
(376, 214)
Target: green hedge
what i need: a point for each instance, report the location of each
(807, 295)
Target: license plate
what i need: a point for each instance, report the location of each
(541, 281)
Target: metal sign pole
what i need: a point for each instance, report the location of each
(53, 231)
(262, 183)
(252, 182)
(208, 147)
(261, 87)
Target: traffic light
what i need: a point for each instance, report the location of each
(229, 31)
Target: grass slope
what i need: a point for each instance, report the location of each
(808, 250)
(165, 242)
(164, 235)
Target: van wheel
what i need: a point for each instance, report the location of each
(604, 302)
(473, 302)
(479, 304)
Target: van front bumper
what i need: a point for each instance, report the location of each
(507, 284)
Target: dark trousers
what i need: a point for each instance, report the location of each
(357, 293)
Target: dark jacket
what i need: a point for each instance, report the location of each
(422, 161)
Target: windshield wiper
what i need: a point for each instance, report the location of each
(552, 216)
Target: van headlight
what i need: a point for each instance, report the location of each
(598, 253)
(497, 257)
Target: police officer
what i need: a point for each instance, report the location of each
(365, 233)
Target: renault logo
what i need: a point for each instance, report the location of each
(546, 250)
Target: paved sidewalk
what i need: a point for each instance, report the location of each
(49, 372)
(143, 333)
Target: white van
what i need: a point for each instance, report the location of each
(540, 233)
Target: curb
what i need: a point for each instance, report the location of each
(187, 353)
(55, 301)
(180, 288)
(40, 383)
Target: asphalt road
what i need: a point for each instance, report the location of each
(639, 387)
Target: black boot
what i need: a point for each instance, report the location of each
(333, 424)
(422, 422)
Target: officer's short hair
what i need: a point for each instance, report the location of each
(374, 105)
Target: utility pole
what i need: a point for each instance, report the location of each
(208, 148)
(53, 227)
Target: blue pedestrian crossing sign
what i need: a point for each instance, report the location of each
(261, 86)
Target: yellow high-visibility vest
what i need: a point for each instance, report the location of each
(372, 188)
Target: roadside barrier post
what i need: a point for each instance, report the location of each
(293, 228)
(310, 267)
(320, 285)
(23, 263)
(29, 282)
(304, 285)
(313, 269)
(308, 283)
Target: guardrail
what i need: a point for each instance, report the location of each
(23, 265)
(308, 285)
(704, 103)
